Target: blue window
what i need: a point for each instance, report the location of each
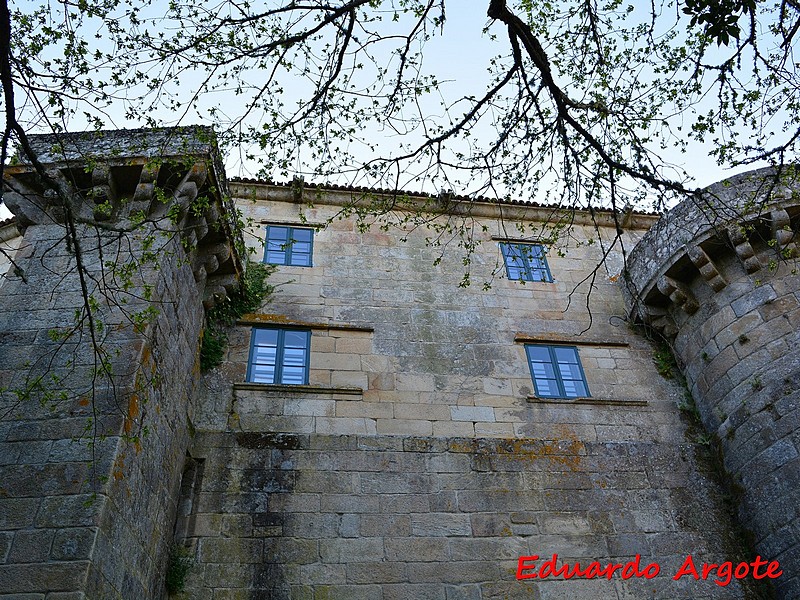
(279, 356)
(557, 371)
(289, 246)
(525, 262)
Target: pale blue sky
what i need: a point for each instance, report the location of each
(460, 59)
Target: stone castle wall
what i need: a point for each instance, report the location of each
(418, 463)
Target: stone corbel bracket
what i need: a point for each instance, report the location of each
(782, 232)
(170, 179)
(694, 239)
(707, 268)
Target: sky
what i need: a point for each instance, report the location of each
(460, 58)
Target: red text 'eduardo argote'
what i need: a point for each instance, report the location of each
(528, 568)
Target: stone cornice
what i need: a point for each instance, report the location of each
(479, 207)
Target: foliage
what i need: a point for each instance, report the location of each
(178, 567)
(582, 103)
(252, 293)
(720, 17)
(688, 406)
(665, 362)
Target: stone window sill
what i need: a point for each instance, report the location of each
(590, 401)
(266, 320)
(298, 389)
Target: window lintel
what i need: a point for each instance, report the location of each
(276, 320)
(560, 340)
(525, 241)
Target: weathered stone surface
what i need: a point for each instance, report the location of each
(749, 358)
(92, 462)
(420, 463)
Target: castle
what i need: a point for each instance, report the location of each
(405, 417)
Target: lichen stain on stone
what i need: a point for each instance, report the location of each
(273, 318)
(147, 355)
(118, 470)
(565, 450)
(133, 413)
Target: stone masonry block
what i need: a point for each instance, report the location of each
(414, 382)
(226, 575)
(319, 377)
(257, 422)
(472, 413)
(311, 525)
(740, 327)
(418, 591)
(495, 386)
(379, 526)
(441, 525)
(31, 545)
(456, 572)
(338, 362)
(354, 345)
(453, 429)
(70, 511)
(51, 478)
(350, 379)
(240, 551)
(308, 407)
(319, 573)
(50, 577)
(372, 410)
(499, 430)
(448, 463)
(349, 526)
(404, 427)
(416, 549)
(344, 426)
(351, 550)
(291, 551)
(377, 572)
(322, 344)
(350, 503)
(490, 525)
(753, 300)
(764, 335)
(463, 592)
(73, 544)
(16, 513)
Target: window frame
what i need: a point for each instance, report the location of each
(526, 270)
(287, 248)
(280, 356)
(559, 375)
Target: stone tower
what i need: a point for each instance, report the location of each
(93, 432)
(718, 278)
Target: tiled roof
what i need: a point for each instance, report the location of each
(368, 190)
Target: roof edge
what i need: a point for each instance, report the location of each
(300, 192)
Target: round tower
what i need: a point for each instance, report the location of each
(718, 277)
